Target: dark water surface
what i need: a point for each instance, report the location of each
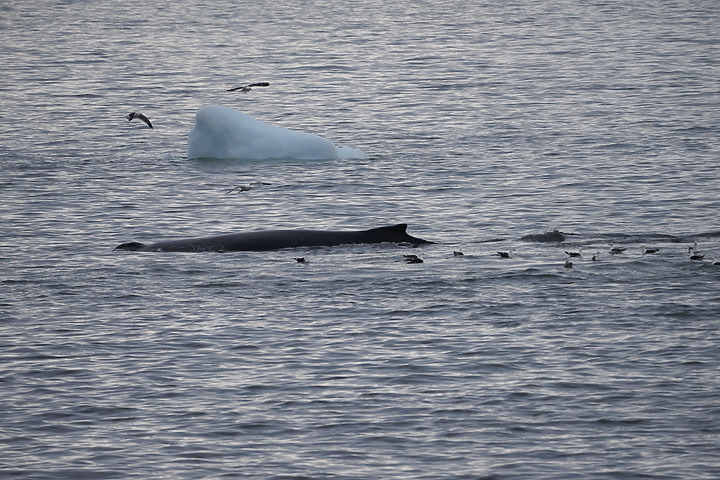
(488, 126)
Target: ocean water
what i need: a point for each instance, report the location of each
(490, 126)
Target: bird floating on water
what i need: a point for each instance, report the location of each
(617, 250)
(139, 116)
(695, 253)
(247, 88)
(649, 250)
(575, 254)
(458, 253)
(596, 256)
(568, 263)
(507, 254)
(413, 259)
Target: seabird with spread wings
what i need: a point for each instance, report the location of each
(141, 117)
(248, 87)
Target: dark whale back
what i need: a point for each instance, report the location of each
(276, 239)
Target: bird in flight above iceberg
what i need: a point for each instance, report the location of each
(248, 87)
(141, 117)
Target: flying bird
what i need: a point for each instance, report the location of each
(240, 188)
(245, 187)
(139, 116)
(247, 88)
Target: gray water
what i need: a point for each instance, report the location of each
(487, 125)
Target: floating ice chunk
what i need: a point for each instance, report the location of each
(221, 132)
(345, 153)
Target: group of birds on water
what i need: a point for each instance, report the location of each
(243, 89)
(692, 250)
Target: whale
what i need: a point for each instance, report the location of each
(224, 133)
(264, 240)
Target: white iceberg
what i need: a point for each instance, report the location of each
(221, 132)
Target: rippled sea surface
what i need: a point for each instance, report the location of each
(530, 127)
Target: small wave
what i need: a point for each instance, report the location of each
(492, 240)
(709, 235)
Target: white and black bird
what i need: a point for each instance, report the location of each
(649, 250)
(695, 253)
(239, 188)
(507, 254)
(248, 88)
(577, 254)
(617, 250)
(139, 116)
(245, 187)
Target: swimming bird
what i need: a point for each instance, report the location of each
(617, 250)
(568, 263)
(300, 259)
(695, 253)
(649, 250)
(139, 116)
(413, 259)
(574, 254)
(507, 254)
(247, 88)
(596, 257)
(458, 254)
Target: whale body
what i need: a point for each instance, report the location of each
(221, 132)
(276, 239)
